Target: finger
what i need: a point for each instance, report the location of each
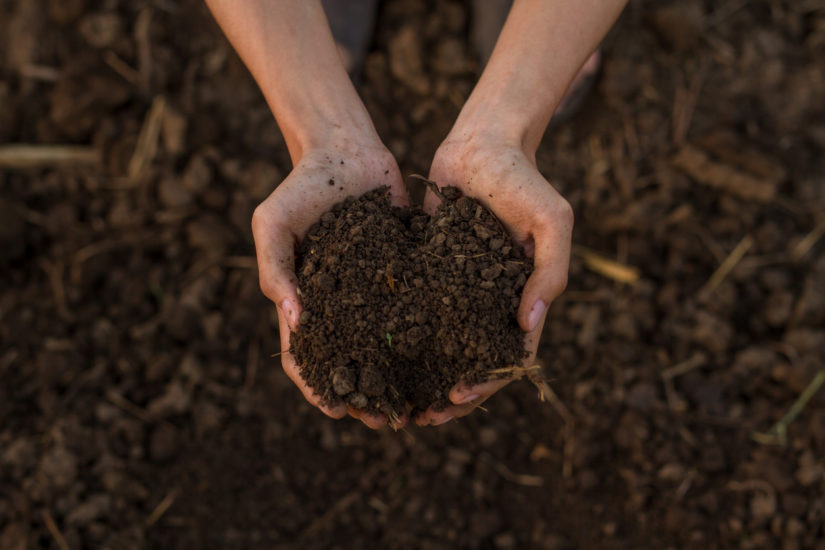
(431, 202)
(371, 420)
(461, 394)
(398, 191)
(551, 263)
(436, 418)
(275, 250)
(433, 418)
(291, 369)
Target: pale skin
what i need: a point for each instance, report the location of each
(489, 153)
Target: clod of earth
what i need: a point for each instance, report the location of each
(400, 306)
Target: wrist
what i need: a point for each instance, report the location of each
(321, 123)
(475, 141)
(489, 119)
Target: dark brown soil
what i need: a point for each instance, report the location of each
(400, 306)
(136, 377)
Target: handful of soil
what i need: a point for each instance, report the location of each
(400, 306)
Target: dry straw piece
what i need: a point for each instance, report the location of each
(21, 155)
(606, 267)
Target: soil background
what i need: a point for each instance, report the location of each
(140, 406)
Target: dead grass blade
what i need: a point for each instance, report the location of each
(547, 394)
(121, 67)
(808, 242)
(22, 155)
(147, 143)
(328, 517)
(59, 539)
(697, 360)
(726, 266)
(517, 372)
(606, 267)
(778, 434)
(697, 164)
(162, 507)
(520, 479)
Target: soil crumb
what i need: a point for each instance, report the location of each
(400, 306)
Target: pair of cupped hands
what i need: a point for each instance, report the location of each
(497, 172)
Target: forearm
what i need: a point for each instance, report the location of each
(539, 51)
(288, 48)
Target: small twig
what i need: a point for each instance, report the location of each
(22, 155)
(54, 271)
(684, 486)
(53, 529)
(607, 267)
(520, 479)
(44, 73)
(726, 266)
(331, 514)
(147, 143)
(697, 360)
(127, 406)
(161, 508)
(431, 184)
(778, 434)
(808, 242)
(547, 394)
(143, 26)
(515, 369)
(684, 105)
(121, 67)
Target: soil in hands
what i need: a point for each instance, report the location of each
(400, 306)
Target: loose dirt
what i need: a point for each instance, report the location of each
(136, 377)
(400, 306)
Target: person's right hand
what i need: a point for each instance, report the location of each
(322, 177)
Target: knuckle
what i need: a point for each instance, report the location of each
(559, 284)
(565, 213)
(268, 286)
(258, 219)
(267, 217)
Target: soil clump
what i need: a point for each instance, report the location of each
(400, 306)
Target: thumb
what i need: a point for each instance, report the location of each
(549, 278)
(275, 249)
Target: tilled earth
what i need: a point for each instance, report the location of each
(140, 406)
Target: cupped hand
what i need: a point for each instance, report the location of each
(505, 179)
(322, 177)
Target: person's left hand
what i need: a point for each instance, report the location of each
(504, 178)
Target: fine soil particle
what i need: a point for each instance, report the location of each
(400, 306)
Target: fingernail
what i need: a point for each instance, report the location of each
(443, 421)
(291, 313)
(535, 314)
(467, 398)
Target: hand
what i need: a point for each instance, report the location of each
(324, 176)
(503, 177)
